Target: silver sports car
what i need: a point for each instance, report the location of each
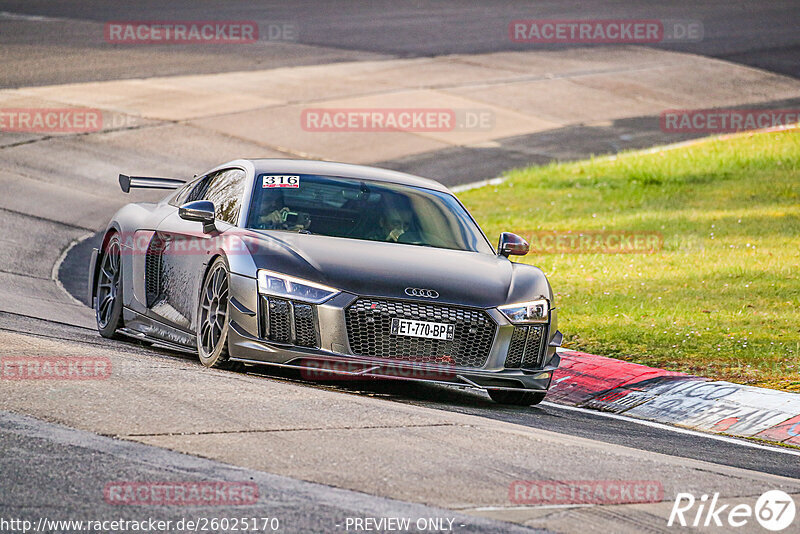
(333, 269)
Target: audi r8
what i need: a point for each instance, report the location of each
(356, 271)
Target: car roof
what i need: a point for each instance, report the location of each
(344, 170)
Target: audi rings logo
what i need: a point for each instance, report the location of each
(426, 293)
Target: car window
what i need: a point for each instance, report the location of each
(178, 198)
(198, 192)
(194, 190)
(359, 209)
(225, 189)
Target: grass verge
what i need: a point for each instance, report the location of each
(719, 297)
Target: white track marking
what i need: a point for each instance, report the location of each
(475, 185)
(7, 15)
(57, 266)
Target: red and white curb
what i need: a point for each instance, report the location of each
(611, 385)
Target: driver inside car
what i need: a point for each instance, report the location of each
(394, 223)
(274, 215)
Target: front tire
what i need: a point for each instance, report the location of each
(108, 291)
(212, 318)
(516, 398)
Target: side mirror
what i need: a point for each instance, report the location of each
(512, 244)
(201, 211)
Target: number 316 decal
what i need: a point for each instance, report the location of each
(280, 180)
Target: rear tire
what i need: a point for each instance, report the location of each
(516, 398)
(212, 318)
(108, 290)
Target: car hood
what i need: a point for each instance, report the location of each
(373, 268)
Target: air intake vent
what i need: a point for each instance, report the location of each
(526, 348)
(153, 270)
(285, 321)
(305, 334)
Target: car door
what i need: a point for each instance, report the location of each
(186, 249)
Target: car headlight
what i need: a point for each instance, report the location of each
(535, 311)
(282, 285)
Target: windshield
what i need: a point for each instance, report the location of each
(358, 209)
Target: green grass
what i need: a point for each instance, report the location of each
(720, 299)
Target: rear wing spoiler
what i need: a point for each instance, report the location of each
(146, 182)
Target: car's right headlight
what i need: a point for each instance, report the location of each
(535, 311)
(283, 285)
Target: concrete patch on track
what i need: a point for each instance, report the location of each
(49, 461)
(524, 93)
(612, 385)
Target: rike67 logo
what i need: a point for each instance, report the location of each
(774, 510)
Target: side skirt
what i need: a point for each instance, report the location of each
(143, 328)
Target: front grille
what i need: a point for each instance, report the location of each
(369, 325)
(526, 348)
(285, 321)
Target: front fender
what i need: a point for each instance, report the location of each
(95, 260)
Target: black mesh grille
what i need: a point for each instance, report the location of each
(369, 324)
(152, 270)
(526, 347)
(304, 332)
(533, 348)
(279, 320)
(516, 350)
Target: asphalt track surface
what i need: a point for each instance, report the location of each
(50, 461)
(52, 467)
(759, 34)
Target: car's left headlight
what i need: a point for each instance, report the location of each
(283, 285)
(535, 311)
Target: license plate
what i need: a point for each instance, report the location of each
(408, 327)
